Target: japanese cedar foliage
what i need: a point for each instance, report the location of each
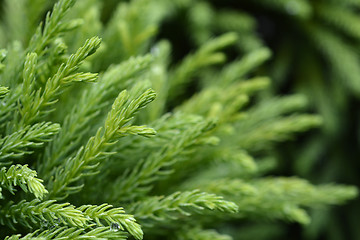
(100, 138)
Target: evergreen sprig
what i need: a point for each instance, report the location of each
(101, 233)
(152, 210)
(90, 106)
(38, 212)
(106, 214)
(53, 26)
(138, 182)
(65, 75)
(18, 143)
(24, 177)
(3, 91)
(88, 157)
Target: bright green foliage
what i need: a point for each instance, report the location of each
(111, 145)
(42, 212)
(100, 233)
(18, 175)
(87, 158)
(65, 75)
(108, 215)
(3, 91)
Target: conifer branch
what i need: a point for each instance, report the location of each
(53, 26)
(225, 107)
(279, 130)
(3, 54)
(48, 65)
(38, 213)
(51, 214)
(123, 74)
(88, 108)
(18, 143)
(225, 163)
(28, 81)
(18, 175)
(129, 30)
(105, 213)
(64, 233)
(65, 75)
(139, 181)
(88, 157)
(278, 197)
(3, 91)
(153, 210)
(8, 107)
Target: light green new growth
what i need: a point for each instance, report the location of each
(106, 215)
(92, 102)
(24, 177)
(53, 26)
(88, 157)
(3, 91)
(65, 75)
(101, 233)
(47, 212)
(50, 213)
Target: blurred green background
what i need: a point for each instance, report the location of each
(315, 46)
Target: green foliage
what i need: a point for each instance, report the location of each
(16, 144)
(3, 91)
(127, 151)
(199, 234)
(152, 210)
(101, 233)
(18, 175)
